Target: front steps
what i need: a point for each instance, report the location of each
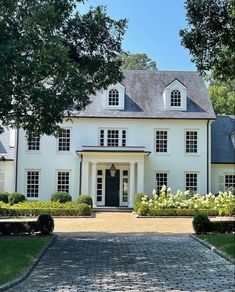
(112, 209)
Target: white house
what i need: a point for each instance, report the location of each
(154, 128)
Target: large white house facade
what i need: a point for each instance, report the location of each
(152, 129)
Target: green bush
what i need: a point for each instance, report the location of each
(143, 209)
(84, 209)
(181, 212)
(137, 200)
(16, 198)
(61, 197)
(45, 223)
(85, 199)
(223, 226)
(4, 197)
(201, 224)
(18, 228)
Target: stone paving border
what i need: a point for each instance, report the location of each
(28, 270)
(213, 248)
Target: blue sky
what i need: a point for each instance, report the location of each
(153, 28)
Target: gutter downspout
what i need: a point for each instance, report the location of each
(17, 159)
(80, 178)
(208, 156)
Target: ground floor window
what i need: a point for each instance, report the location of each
(99, 185)
(125, 186)
(229, 181)
(63, 181)
(32, 184)
(161, 180)
(191, 182)
(2, 181)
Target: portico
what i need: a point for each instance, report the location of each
(116, 188)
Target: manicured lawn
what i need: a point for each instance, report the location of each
(16, 254)
(225, 242)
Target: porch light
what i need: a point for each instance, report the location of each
(112, 170)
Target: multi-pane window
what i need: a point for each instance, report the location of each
(125, 186)
(161, 141)
(112, 137)
(175, 98)
(113, 97)
(161, 180)
(99, 185)
(229, 181)
(63, 181)
(2, 181)
(64, 140)
(191, 181)
(191, 141)
(32, 184)
(34, 143)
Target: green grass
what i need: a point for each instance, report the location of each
(16, 255)
(224, 242)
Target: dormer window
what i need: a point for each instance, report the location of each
(175, 98)
(113, 97)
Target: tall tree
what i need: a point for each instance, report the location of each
(139, 61)
(222, 97)
(210, 37)
(52, 57)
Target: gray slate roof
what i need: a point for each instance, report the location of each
(222, 149)
(5, 149)
(144, 97)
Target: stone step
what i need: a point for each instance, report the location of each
(112, 209)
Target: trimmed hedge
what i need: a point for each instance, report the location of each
(203, 225)
(85, 199)
(84, 209)
(175, 212)
(61, 197)
(44, 225)
(4, 197)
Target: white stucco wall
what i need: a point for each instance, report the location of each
(85, 132)
(218, 171)
(7, 171)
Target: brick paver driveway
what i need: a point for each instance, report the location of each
(129, 262)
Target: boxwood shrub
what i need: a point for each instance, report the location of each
(16, 198)
(84, 209)
(4, 197)
(61, 197)
(85, 199)
(137, 200)
(45, 223)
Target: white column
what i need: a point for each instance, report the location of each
(140, 182)
(85, 177)
(132, 184)
(93, 183)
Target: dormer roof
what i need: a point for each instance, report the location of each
(144, 97)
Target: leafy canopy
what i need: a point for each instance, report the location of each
(52, 57)
(139, 61)
(222, 97)
(210, 37)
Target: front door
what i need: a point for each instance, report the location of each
(112, 186)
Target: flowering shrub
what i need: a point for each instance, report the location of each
(223, 204)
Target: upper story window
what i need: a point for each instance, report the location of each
(175, 98)
(33, 143)
(64, 140)
(113, 97)
(161, 141)
(112, 137)
(191, 142)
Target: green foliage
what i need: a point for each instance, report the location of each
(61, 197)
(181, 212)
(84, 209)
(45, 223)
(52, 58)
(201, 224)
(138, 61)
(223, 226)
(143, 209)
(85, 199)
(18, 227)
(16, 198)
(210, 37)
(222, 97)
(137, 200)
(4, 197)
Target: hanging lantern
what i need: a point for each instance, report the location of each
(112, 170)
